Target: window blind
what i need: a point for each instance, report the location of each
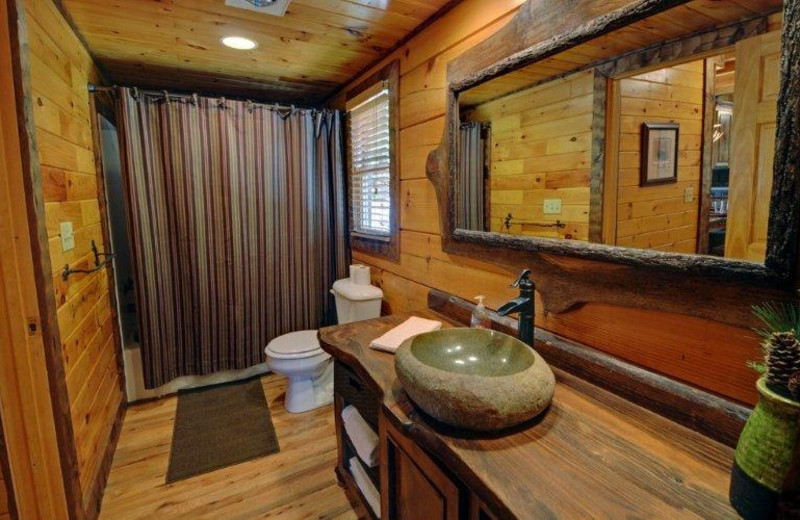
(370, 161)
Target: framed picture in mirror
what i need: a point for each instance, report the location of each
(659, 153)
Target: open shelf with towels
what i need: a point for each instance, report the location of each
(350, 451)
(350, 390)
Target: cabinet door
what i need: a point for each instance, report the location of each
(414, 487)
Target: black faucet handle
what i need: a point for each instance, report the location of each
(523, 280)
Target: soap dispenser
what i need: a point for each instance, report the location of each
(480, 317)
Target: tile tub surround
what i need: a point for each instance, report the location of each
(591, 454)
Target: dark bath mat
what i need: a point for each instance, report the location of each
(219, 426)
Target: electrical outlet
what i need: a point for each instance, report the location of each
(688, 194)
(552, 206)
(67, 237)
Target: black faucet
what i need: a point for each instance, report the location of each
(524, 305)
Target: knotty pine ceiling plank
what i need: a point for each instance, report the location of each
(305, 55)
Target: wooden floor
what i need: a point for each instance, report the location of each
(297, 482)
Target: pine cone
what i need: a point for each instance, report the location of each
(794, 385)
(783, 361)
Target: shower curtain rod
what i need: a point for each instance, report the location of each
(277, 106)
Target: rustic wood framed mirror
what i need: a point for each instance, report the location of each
(543, 156)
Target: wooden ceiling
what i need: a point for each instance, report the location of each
(679, 22)
(302, 57)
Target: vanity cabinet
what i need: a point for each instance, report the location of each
(352, 390)
(589, 449)
(479, 510)
(413, 485)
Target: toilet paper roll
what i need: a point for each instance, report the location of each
(359, 274)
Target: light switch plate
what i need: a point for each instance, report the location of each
(67, 237)
(688, 194)
(552, 206)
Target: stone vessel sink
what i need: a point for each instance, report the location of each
(475, 379)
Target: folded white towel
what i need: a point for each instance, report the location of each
(395, 337)
(366, 486)
(364, 438)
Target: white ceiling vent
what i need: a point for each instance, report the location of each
(273, 7)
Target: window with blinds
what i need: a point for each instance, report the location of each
(370, 163)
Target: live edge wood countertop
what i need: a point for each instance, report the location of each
(591, 455)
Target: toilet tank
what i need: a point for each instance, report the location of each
(356, 302)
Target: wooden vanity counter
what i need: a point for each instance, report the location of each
(593, 454)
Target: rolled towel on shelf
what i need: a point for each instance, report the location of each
(366, 486)
(363, 437)
(395, 337)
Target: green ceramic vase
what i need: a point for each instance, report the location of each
(764, 455)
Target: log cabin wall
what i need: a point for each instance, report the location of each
(658, 216)
(60, 69)
(704, 353)
(541, 144)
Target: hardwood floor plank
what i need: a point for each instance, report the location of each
(297, 482)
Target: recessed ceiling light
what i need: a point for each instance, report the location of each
(238, 42)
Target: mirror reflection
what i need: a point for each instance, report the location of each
(657, 136)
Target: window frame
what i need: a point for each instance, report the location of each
(380, 245)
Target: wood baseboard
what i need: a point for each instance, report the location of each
(709, 414)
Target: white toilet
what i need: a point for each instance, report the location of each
(299, 357)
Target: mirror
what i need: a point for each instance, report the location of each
(659, 135)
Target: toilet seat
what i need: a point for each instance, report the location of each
(295, 345)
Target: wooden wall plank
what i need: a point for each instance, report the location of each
(536, 131)
(415, 144)
(418, 198)
(422, 92)
(670, 94)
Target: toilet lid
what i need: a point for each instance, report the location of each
(295, 343)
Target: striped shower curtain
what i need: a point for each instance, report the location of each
(470, 177)
(236, 216)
